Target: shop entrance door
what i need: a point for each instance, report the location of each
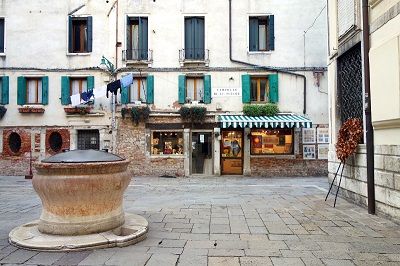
(232, 152)
(202, 162)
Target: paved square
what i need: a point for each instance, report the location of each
(222, 221)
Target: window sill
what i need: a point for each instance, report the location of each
(31, 109)
(167, 156)
(260, 52)
(77, 54)
(2, 54)
(274, 156)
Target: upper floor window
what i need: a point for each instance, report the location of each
(259, 89)
(137, 90)
(80, 34)
(137, 38)
(194, 38)
(74, 85)
(32, 90)
(262, 89)
(261, 33)
(77, 85)
(2, 35)
(195, 89)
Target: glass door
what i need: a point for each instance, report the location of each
(232, 152)
(202, 153)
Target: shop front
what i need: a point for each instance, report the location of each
(266, 146)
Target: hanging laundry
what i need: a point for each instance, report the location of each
(127, 80)
(75, 99)
(86, 95)
(100, 92)
(113, 87)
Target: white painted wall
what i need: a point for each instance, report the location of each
(37, 38)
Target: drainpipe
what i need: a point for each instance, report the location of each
(368, 119)
(265, 67)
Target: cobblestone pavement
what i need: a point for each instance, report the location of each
(222, 221)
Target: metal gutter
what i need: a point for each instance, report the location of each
(265, 67)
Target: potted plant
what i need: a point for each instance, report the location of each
(82, 110)
(31, 109)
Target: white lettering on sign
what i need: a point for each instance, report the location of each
(223, 92)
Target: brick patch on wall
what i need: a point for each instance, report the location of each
(65, 135)
(13, 164)
(271, 167)
(131, 144)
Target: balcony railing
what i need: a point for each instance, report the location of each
(194, 55)
(137, 55)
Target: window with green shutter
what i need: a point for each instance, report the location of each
(262, 33)
(262, 89)
(33, 90)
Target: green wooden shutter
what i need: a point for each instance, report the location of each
(143, 38)
(65, 91)
(207, 89)
(199, 38)
(246, 83)
(253, 34)
(90, 83)
(182, 89)
(273, 88)
(70, 47)
(125, 95)
(89, 34)
(4, 90)
(21, 90)
(189, 38)
(45, 90)
(271, 33)
(150, 89)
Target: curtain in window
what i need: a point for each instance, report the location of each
(200, 89)
(34, 89)
(190, 88)
(262, 37)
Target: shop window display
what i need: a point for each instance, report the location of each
(167, 143)
(271, 141)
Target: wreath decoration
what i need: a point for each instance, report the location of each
(349, 136)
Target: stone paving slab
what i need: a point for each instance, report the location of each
(222, 221)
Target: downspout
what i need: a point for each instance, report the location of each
(368, 119)
(265, 67)
(116, 35)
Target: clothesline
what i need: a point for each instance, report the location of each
(99, 92)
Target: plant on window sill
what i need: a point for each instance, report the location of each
(195, 114)
(82, 110)
(31, 109)
(3, 111)
(138, 113)
(268, 109)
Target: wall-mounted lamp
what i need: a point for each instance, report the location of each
(231, 78)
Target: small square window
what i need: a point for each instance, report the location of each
(33, 90)
(80, 35)
(195, 89)
(261, 33)
(137, 91)
(259, 89)
(77, 85)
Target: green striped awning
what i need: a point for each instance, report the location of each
(281, 121)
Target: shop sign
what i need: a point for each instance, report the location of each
(224, 92)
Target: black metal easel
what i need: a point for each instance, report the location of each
(333, 181)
